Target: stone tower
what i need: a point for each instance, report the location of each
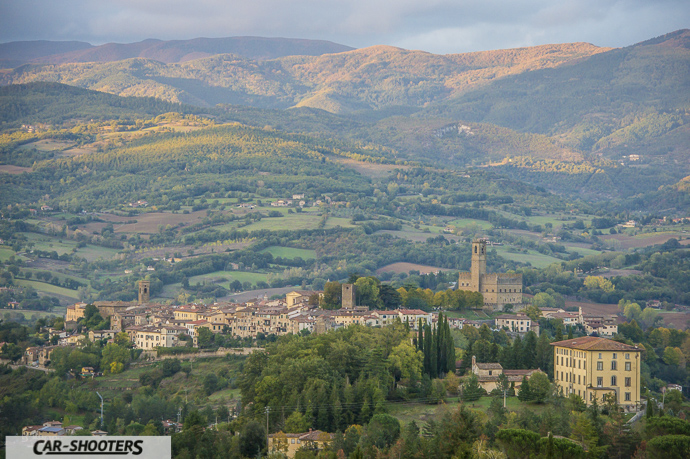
(478, 269)
(348, 301)
(144, 290)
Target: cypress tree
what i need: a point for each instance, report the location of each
(336, 409)
(433, 354)
(427, 349)
(543, 359)
(450, 350)
(516, 354)
(440, 346)
(529, 350)
(420, 337)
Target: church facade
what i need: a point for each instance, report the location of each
(498, 289)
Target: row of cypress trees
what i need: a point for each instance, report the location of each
(437, 346)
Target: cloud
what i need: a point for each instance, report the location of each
(440, 26)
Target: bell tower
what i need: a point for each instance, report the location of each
(478, 269)
(144, 290)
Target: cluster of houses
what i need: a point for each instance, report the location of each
(602, 325)
(152, 325)
(54, 429)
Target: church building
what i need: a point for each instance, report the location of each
(498, 289)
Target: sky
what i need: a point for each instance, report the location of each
(437, 26)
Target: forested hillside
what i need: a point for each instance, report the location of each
(370, 78)
(17, 53)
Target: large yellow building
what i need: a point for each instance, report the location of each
(498, 289)
(593, 367)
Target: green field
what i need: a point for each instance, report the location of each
(463, 222)
(338, 221)
(48, 288)
(297, 221)
(60, 276)
(6, 253)
(62, 245)
(177, 385)
(94, 252)
(407, 412)
(50, 243)
(224, 396)
(533, 257)
(28, 313)
(290, 252)
(241, 276)
(581, 251)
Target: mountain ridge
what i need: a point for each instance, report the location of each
(166, 51)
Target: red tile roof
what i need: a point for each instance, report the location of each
(593, 343)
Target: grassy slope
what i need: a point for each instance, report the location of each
(48, 288)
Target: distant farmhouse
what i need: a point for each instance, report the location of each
(498, 289)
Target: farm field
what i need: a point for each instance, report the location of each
(290, 252)
(535, 258)
(47, 145)
(593, 308)
(29, 313)
(241, 276)
(582, 250)
(297, 221)
(371, 170)
(418, 235)
(407, 412)
(60, 276)
(48, 288)
(10, 169)
(647, 239)
(148, 223)
(678, 320)
(463, 222)
(6, 253)
(407, 267)
(190, 387)
(49, 243)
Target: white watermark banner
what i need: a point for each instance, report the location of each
(97, 447)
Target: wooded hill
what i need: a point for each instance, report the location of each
(370, 78)
(55, 52)
(570, 118)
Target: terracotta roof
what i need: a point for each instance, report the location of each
(593, 343)
(513, 317)
(489, 366)
(316, 435)
(519, 372)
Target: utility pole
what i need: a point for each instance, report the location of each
(504, 398)
(99, 395)
(268, 410)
